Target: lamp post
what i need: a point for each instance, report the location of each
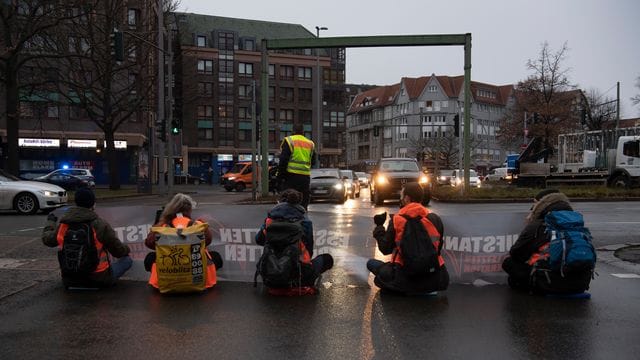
(319, 97)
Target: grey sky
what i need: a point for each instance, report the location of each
(603, 36)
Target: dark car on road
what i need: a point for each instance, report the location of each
(65, 181)
(84, 174)
(327, 184)
(390, 176)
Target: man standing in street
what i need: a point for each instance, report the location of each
(297, 155)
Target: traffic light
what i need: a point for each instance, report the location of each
(176, 126)
(456, 125)
(117, 45)
(161, 130)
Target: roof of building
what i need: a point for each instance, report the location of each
(258, 29)
(374, 98)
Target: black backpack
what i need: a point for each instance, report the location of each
(418, 253)
(280, 266)
(79, 255)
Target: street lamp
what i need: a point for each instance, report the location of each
(318, 76)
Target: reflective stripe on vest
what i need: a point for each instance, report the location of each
(103, 258)
(301, 150)
(399, 223)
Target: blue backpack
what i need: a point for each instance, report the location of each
(570, 243)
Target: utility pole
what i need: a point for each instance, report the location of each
(170, 161)
(617, 105)
(254, 162)
(161, 104)
(318, 136)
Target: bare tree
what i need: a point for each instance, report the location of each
(545, 100)
(25, 26)
(636, 99)
(599, 111)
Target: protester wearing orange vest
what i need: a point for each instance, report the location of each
(297, 155)
(106, 242)
(390, 275)
(177, 214)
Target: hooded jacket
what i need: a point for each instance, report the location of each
(288, 212)
(104, 234)
(533, 235)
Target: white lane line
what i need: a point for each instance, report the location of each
(31, 229)
(627, 276)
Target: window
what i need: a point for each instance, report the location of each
(225, 89)
(201, 41)
(245, 69)
(205, 89)
(304, 73)
(286, 115)
(225, 111)
(132, 53)
(244, 91)
(250, 45)
(205, 111)
(205, 134)
(225, 40)
(226, 66)
(432, 88)
(52, 111)
(205, 66)
(305, 116)
(132, 17)
(286, 72)
(244, 114)
(335, 118)
(305, 95)
(272, 71)
(286, 94)
(272, 92)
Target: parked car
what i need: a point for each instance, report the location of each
(498, 174)
(327, 184)
(352, 183)
(390, 176)
(457, 178)
(84, 174)
(27, 197)
(65, 181)
(363, 178)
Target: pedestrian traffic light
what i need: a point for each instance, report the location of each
(117, 45)
(161, 130)
(456, 125)
(176, 125)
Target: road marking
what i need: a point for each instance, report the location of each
(12, 263)
(627, 276)
(30, 229)
(210, 203)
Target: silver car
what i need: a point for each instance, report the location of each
(27, 197)
(326, 184)
(352, 183)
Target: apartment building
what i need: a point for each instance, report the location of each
(219, 67)
(397, 120)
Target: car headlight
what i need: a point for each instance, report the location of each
(381, 180)
(48, 193)
(337, 186)
(443, 178)
(423, 179)
(230, 178)
(458, 181)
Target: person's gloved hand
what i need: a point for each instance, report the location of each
(52, 217)
(379, 219)
(379, 232)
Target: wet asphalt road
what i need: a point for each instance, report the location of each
(348, 319)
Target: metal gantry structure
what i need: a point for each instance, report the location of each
(358, 42)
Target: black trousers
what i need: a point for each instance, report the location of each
(544, 281)
(300, 183)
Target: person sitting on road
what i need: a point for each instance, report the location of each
(177, 214)
(287, 224)
(403, 274)
(527, 254)
(85, 242)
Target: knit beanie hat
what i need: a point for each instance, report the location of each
(84, 197)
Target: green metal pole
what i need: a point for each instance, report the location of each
(264, 125)
(467, 108)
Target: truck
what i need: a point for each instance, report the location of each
(610, 157)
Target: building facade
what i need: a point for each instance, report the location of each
(219, 63)
(406, 119)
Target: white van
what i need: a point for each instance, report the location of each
(498, 174)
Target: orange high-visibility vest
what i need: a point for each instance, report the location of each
(399, 223)
(103, 257)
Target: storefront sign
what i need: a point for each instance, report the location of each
(225, 157)
(118, 144)
(74, 143)
(39, 142)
